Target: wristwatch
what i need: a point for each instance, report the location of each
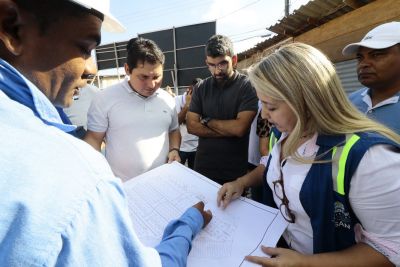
(174, 148)
(205, 121)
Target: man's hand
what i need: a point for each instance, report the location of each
(280, 257)
(228, 192)
(207, 215)
(188, 97)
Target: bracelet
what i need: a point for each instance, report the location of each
(174, 148)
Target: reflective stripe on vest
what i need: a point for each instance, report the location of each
(339, 158)
(272, 141)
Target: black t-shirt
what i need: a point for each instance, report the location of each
(223, 159)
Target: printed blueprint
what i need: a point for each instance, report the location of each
(164, 193)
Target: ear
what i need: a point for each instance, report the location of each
(127, 70)
(10, 24)
(234, 60)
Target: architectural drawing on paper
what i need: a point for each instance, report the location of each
(154, 208)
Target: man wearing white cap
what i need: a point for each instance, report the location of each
(60, 203)
(378, 69)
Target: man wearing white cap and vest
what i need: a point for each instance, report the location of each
(60, 202)
(378, 69)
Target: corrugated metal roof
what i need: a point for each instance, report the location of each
(307, 17)
(348, 75)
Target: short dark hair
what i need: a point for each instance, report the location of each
(142, 50)
(48, 12)
(219, 45)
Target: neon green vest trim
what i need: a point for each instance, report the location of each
(339, 158)
(272, 141)
(342, 162)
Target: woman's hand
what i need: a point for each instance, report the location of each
(280, 257)
(228, 192)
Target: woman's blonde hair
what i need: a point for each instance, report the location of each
(306, 80)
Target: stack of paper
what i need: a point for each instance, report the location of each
(164, 193)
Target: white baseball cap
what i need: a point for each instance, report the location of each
(110, 23)
(383, 36)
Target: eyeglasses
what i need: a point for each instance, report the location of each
(223, 65)
(279, 191)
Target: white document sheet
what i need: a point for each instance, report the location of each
(163, 194)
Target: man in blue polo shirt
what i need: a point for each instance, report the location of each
(378, 69)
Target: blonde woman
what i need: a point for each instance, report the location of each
(333, 173)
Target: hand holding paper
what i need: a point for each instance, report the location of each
(164, 193)
(228, 192)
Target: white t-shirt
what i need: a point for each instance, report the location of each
(374, 193)
(189, 141)
(254, 141)
(137, 128)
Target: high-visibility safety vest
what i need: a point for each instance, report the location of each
(324, 193)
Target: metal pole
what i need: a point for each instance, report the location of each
(98, 81)
(175, 63)
(287, 8)
(116, 60)
(173, 79)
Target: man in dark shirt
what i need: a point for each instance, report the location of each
(222, 109)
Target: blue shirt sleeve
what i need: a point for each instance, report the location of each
(102, 233)
(111, 235)
(177, 239)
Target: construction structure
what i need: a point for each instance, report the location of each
(328, 25)
(183, 48)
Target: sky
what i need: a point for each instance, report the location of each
(244, 21)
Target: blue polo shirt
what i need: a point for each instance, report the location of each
(386, 112)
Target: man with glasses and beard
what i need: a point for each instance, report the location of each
(222, 109)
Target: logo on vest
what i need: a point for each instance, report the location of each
(341, 217)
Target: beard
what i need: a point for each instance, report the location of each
(221, 78)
